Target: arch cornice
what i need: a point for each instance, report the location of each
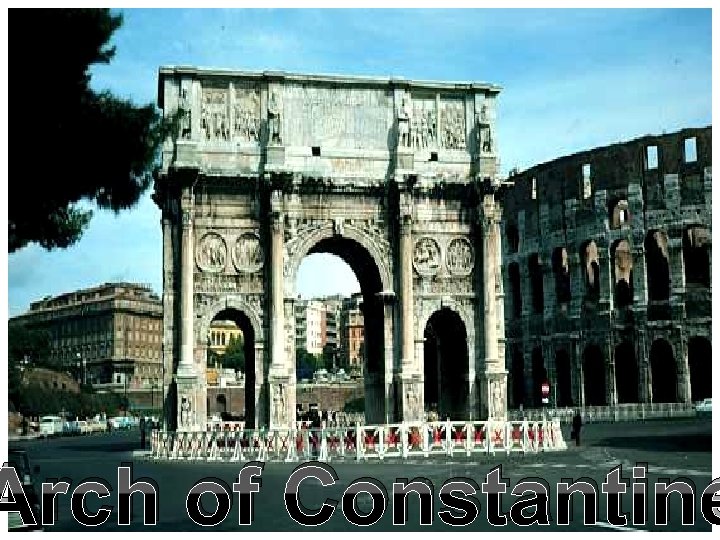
(297, 248)
(208, 312)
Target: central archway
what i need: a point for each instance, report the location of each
(446, 365)
(369, 275)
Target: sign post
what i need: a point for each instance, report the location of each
(545, 391)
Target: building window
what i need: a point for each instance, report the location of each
(690, 150)
(651, 158)
(587, 184)
(534, 189)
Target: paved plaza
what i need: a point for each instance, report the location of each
(672, 450)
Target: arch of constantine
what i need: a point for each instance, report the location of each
(396, 177)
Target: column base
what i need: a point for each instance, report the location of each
(411, 394)
(493, 395)
(282, 394)
(190, 400)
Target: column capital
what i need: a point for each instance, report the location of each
(406, 207)
(187, 218)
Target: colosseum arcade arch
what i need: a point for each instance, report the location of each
(561, 271)
(591, 270)
(594, 376)
(626, 373)
(658, 266)
(696, 256)
(447, 365)
(539, 375)
(663, 371)
(563, 373)
(518, 378)
(700, 364)
(295, 164)
(622, 272)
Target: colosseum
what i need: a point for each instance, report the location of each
(608, 276)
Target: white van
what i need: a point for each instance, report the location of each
(50, 426)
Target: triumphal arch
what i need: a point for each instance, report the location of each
(396, 177)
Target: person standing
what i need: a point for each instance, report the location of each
(142, 433)
(577, 426)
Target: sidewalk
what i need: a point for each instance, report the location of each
(16, 437)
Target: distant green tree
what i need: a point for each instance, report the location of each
(234, 356)
(356, 405)
(68, 142)
(27, 348)
(306, 363)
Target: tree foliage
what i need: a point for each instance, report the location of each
(234, 357)
(306, 364)
(68, 142)
(34, 400)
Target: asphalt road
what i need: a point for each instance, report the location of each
(671, 449)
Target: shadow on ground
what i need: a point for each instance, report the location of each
(692, 442)
(103, 446)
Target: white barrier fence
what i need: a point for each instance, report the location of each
(230, 441)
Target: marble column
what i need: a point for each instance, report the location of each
(406, 286)
(495, 374)
(189, 408)
(277, 297)
(169, 337)
(186, 292)
(410, 384)
(280, 394)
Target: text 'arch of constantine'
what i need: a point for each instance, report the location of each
(396, 177)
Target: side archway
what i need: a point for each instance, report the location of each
(249, 367)
(446, 365)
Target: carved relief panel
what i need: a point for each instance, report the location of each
(214, 114)
(246, 113)
(337, 117)
(423, 123)
(452, 124)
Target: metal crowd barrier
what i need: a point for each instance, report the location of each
(233, 442)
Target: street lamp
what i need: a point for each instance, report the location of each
(152, 397)
(81, 365)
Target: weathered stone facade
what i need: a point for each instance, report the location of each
(396, 177)
(607, 257)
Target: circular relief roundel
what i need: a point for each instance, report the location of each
(460, 256)
(248, 253)
(426, 256)
(211, 253)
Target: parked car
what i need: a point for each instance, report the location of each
(51, 426)
(96, 426)
(121, 422)
(704, 407)
(27, 476)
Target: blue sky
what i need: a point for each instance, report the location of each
(572, 79)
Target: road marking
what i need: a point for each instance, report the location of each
(618, 527)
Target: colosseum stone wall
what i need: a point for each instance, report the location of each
(607, 274)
